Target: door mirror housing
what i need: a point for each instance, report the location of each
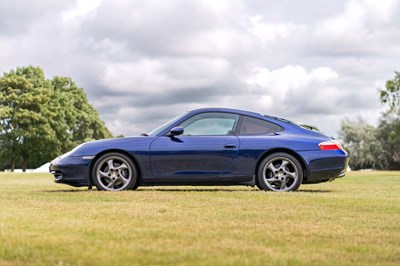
(176, 131)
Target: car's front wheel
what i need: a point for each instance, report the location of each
(113, 172)
(280, 172)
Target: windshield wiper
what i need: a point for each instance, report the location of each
(144, 134)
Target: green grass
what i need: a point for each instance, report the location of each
(355, 220)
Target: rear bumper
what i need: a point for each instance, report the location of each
(325, 165)
(72, 171)
(325, 175)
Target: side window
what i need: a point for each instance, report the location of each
(254, 126)
(210, 124)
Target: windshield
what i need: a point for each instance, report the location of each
(156, 131)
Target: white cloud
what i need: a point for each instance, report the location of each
(157, 76)
(379, 11)
(83, 8)
(280, 81)
(347, 24)
(133, 121)
(358, 28)
(217, 42)
(270, 32)
(293, 90)
(142, 62)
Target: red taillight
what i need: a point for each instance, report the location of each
(330, 146)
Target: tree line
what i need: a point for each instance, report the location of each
(42, 118)
(376, 147)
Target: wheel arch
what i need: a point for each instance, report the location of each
(285, 150)
(129, 155)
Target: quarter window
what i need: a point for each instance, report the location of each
(210, 124)
(254, 126)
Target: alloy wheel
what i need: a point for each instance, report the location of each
(114, 173)
(280, 174)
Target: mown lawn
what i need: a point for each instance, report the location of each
(355, 220)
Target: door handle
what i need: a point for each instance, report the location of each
(230, 146)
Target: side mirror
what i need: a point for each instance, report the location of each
(176, 131)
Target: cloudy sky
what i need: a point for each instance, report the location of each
(144, 62)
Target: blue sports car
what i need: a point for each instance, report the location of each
(211, 146)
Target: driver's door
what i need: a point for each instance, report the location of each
(204, 150)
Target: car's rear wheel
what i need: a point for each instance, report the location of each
(280, 172)
(114, 172)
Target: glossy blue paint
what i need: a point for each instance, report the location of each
(207, 160)
(190, 156)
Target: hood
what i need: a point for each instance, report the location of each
(128, 143)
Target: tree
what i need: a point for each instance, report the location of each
(389, 126)
(40, 118)
(360, 141)
(390, 95)
(376, 147)
(24, 108)
(77, 121)
(388, 133)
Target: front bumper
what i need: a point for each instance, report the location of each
(74, 171)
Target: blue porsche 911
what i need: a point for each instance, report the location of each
(211, 146)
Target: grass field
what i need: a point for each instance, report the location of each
(355, 220)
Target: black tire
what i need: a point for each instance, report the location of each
(279, 172)
(258, 185)
(137, 184)
(114, 172)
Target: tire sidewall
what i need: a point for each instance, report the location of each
(260, 171)
(115, 155)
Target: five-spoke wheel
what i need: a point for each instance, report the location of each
(114, 171)
(280, 172)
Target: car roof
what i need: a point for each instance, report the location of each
(228, 110)
(287, 124)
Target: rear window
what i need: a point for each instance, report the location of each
(254, 126)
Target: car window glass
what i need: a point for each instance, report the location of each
(156, 131)
(253, 126)
(210, 124)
